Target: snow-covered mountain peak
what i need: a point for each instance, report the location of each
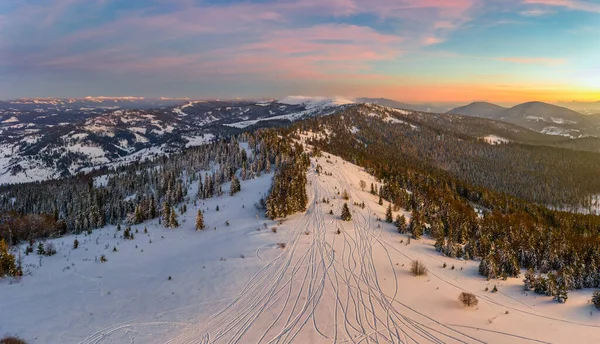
(314, 102)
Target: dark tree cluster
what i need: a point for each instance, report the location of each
(288, 191)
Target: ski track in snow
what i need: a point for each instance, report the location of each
(284, 299)
(325, 287)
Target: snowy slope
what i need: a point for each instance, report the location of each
(322, 287)
(130, 295)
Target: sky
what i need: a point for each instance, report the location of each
(407, 50)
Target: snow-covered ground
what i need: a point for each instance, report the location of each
(590, 206)
(198, 140)
(552, 130)
(495, 140)
(312, 105)
(313, 102)
(234, 284)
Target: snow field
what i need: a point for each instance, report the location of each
(322, 287)
(356, 287)
(73, 298)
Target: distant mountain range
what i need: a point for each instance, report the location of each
(426, 107)
(50, 138)
(542, 117)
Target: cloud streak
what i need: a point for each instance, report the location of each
(570, 4)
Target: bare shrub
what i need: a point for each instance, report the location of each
(345, 195)
(468, 299)
(12, 340)
(281, 245)
(418, 268)
(50, 249)
(274, 229)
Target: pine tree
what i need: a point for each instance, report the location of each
(127, 233)
(596, 299)
(199, 220)
(416, 227)
(440, 243)
(561, 294)
(552, 286)
(166, 214)
(346, 216)
(138, 216)
(235, 186)
(152, 208)
(540, 285)
(388, 214)
(40, 249)
(7, 261)
(401, 223)
(173, 219)
(529, 281)
(380, 202)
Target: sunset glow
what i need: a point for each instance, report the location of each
(408, 50)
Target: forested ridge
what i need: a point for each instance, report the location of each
(561, 249)
(551, 176)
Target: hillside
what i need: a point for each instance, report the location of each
(541, 117)
(479, 109)
(547, 118)
(468, 149)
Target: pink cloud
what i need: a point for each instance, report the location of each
(536, 13)
(432, 40)
(442, 15)
(572, 4)
(313, 52)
